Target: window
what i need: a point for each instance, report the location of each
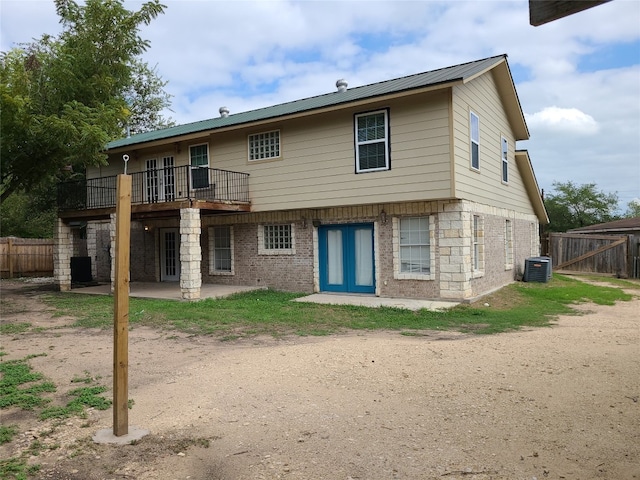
(535, 241)
(477, 252)
(199, 155)
(505, 160)
(508, 244)
(372, 141)
(276, 240)
(412, 252)
(221, 250)
(414, 245)
(264, 145)
(474, 134)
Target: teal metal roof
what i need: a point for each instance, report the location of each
(419, 80)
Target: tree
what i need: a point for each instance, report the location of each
(633, 209)
(26, 215)
(63, 99)
(575, 206)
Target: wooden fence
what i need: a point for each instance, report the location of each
(585, 253)
(29, 257)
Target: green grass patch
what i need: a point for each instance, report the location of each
(7, 432)
(632, 284)
(14, 328)
(267, 312)
(21, 387)
(83, 397)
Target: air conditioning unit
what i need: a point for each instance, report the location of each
(537, 269)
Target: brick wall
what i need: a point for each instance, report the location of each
(280, 272)
(142, 260)
(452, 276)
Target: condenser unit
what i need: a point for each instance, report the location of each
(537, 269)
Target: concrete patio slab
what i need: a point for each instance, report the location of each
(166, 290)
(371, 301)
(171, 291)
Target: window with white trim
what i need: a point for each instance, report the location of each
(276, 240)
(508, 244)
(505, 159)
(263, 146)
(477, 252)
(199, 159)
(221, 250)
(372, 141)
(413, 256)
(474, 135)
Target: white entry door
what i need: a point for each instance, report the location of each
(169, 255)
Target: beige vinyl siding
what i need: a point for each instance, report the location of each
(481, 97)
(114, 168)
(317, 164)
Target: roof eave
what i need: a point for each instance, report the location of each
(523, 161)
(305, 113)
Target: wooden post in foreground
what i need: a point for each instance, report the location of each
(121, 308)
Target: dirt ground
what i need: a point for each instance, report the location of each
(556, 403)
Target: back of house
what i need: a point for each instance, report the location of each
(410, 188)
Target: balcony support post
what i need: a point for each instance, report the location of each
(190, 253)
(62, 252)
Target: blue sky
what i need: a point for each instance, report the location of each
(578, 78)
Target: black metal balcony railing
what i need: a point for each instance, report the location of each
(157, 186)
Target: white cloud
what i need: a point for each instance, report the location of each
(569, 120)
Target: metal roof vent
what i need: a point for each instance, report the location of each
(224, 112)
(342, 85)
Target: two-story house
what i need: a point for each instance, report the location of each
(410, 187)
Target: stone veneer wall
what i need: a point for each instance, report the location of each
(496, 273)
(62, 252)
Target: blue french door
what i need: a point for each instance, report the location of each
(346, 258)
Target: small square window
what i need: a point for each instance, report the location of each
(276, 240)
(263, 146)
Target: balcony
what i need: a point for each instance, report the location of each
(160, 189)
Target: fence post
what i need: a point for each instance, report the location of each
(10, 257)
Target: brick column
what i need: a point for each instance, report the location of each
(62, 252)
(190, 253)
(454, 240)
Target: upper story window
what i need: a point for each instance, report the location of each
(474, 135)
(505, 159)
(199, 159)
(263, 146)
(372, 141)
